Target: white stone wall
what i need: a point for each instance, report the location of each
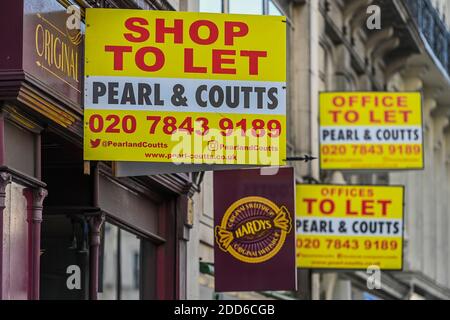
(15, 244)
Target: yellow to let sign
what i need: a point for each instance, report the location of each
(371, 131)
(349, 227)
(185, 87)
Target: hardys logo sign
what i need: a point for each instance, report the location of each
(253, 229)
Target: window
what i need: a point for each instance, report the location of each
(214, 6)
(246, 7)
(273, 10)
(129, 250)
(266, 7)
(136, 263)
(127, 266)
(108, 289)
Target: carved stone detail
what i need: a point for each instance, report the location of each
(95, 226)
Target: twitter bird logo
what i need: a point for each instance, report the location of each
(95, 143)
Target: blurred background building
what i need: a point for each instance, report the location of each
(331, 48)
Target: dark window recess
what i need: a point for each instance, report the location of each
(136, 262)
(64, 258)
(127, 266)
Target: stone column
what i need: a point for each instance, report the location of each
(5, 180)
(34, 222)
(446, 224)
(411, 80)
(193, 249)
(298, 123)
(426, 218)
(440, 122)
(302, 94)
(413, 196)
(95, 226)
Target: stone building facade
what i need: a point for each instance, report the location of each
(331, 48)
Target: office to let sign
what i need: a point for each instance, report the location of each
(371, 131)
(185, 87)
(349, 227)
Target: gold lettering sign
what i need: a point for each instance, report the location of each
(52, 51)
(56, 51)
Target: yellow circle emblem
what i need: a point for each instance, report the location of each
(253, 229)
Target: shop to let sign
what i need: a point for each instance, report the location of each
(349, 227)
(371, 131)
(185, 87)
(254, 231)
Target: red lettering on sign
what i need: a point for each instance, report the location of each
(384, 206)
(159, 59)
(135, 25)
(234, 29)
(309, 203)
(367, 208)
(195, 36)
(189, 62)
(162, 30)
(118, 52)
(218, 61)
(348, 208)
(253, 59)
